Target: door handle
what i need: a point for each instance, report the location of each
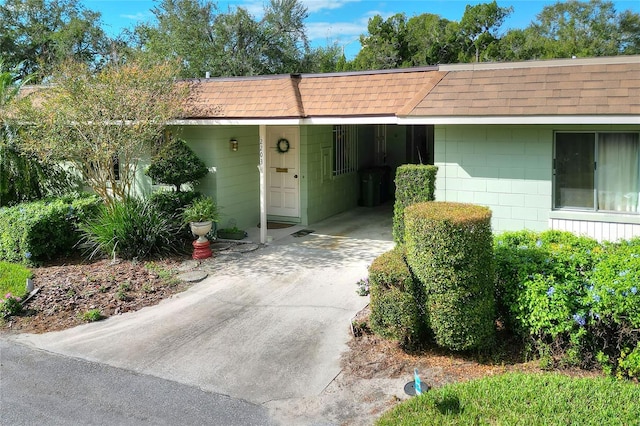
(295, 176)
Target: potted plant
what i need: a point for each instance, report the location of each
(200, 215)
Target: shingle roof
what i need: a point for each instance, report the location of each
(365, 94)
(258, 97)
(590, 87)
(571, 87)
(371, 93)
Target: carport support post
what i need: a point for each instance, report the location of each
(263, 184)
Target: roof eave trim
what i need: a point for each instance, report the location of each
(387, 119)
(544, 119)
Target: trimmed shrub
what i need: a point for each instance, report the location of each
(577, 300)
(612, 308)
(171, 205)
(45, 229)
(538, 276)
(415, 183)
(449, 249)
(397, 303)
(176, 164)
(131, 229)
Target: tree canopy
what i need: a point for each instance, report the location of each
(228, 44)
(561, 30)
(91, 119)
(35, 35)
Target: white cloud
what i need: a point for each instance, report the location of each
(256, 7)
(335, 31)
(140, 16)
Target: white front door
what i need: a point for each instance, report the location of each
(283, 171)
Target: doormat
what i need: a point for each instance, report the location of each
(278, 225)
(302, 232)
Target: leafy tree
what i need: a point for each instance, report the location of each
(35, 35)
(432, 40)
(19, 177)
(428, 39)
(385, 47)
(89, 119)
(237, 45)
(183, 31)
(285, 39)
(630, 32)
(593, 28)
(479, 27)
(22, 177)
(518, 45)
(176, 164)
(323, 59)
(228, 44)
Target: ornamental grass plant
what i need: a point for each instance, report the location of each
(131, 229)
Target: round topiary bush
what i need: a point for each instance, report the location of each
(176, 164)
(450, 251)
(397, 303)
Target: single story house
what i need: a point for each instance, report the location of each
(545, 144)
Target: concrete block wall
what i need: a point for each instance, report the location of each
(322, 195)
(506, 168)
(235, 185)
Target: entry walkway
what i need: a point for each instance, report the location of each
(265, 325)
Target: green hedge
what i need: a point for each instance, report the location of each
(171, 204)
(415, 183)
(45, 229)
(577, 300)
(450, 250)
(397, 304)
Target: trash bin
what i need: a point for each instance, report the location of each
(371, 187)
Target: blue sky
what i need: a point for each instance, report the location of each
(340, 21)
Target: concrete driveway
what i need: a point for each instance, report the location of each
(265, 326)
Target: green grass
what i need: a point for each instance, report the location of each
(13, 279)
(91, 315)
(523, 399)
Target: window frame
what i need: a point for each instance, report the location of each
(597, 142)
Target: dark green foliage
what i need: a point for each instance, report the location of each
(23, 178)
(397, 303)
(461, 321)
(171, 204)
(176, 164)
(131, 229)
(415, 183)
(43, 229)
(449, 249)
(578, 301)
(528, 264)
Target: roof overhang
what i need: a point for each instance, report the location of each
(285, 121)
(524, 120)
(503, 120)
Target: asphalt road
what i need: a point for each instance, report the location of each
(38, 387)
